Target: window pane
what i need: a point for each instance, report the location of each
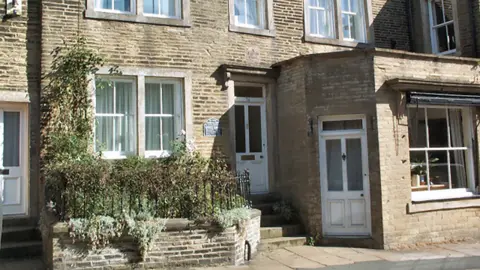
(167, 8)
(248, 91)
(122, 5)
(418, 167)
(458, 169)
(168, 135)
(103, 4)
(343, 125)
(240, 11)
(345, 6)
(437, 11)
(152, 98)
(124, 99)
(334, 165)
(437, 127)
(11, 139)
(456, 127)
(240, 129)
(152, 133)
(104, 98)
(442, 39)
(354, 164)
(150, 6)
(438, 169)
(451, 37)
(417, 133)
(255, 129)
(253, 12)
(167, 98)
(346, 26)
(104, 133)
(125, 134)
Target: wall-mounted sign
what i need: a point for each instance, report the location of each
(13, 7)
(212, 128)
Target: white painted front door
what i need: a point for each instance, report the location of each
(344, 183)
(250, 144)
(12, 162)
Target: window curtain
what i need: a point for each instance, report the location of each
(152, 123)
(456, 135)
(256, 12)
(168, 133)
(124, 125)
(321, 21)
(167, 8)
(11, 139)
(239, 6)
(104, 124)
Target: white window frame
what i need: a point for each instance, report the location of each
(112, 10)
(326, 12)
(338, 37)
(433, 27)
(178, 113)
(267, 29)
(118, 154)
(178, 11)
(467, 124)
(351, 13)
(263, 24)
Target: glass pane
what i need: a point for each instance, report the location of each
(152, 98)
(167, 8)
(346, 29)
(253, 12)
(334, 165)
(104, 98)
(125, 134)
(417, 132)
(452, 44)
(343, 125)
(11, 139)
(152, 133)
(458, 169)
(418, 170)
(103, 4)
(240, 11)
(167, 98)
(248, 91)
(438, 169)
(354, 164)
(345, 6)
(150, 6)
(437, 127)
(456, 127)
(357, 27)
(315, 21)
(442, 38)
(255, 129)
(354, 5)
(124, 100)
(168, 135)
(104, 134)
(122, 5)
(437, 11)
(240, 129)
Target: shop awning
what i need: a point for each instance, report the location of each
(433, 98)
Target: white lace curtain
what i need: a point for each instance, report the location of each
(250, 12)
(159, 113)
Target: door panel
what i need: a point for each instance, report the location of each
(12, 178)
(250, 142)
(344, 181)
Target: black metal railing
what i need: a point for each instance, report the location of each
(201, 199)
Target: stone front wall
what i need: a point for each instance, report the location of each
(401, 229)
(189, 247)
(20, 52)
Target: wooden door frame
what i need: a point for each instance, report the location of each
(344, 134)
(24, 154)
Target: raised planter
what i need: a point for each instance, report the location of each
(182, 244)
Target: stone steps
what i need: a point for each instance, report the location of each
(21, 239)
(25, 249)
(280, 231)
(281, 242)
(272, 220)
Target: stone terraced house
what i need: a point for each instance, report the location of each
(362, 113)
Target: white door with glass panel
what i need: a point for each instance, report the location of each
(344, 178)
(250, 136)
(12, 161)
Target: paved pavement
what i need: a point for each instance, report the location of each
(448, 256)
(464, 256)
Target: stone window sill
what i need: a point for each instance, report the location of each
(138, 18)
(472, 201)
(336, 42)
(252, 31)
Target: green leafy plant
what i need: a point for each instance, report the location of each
(228, 218)
(285, 209)
(97, 231)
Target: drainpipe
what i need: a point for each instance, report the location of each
(474, 29)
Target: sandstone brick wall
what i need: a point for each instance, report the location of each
(194, 247)
(203, 47)
(401, 229)
(20, 42)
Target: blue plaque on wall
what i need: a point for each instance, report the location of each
(212, 128)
